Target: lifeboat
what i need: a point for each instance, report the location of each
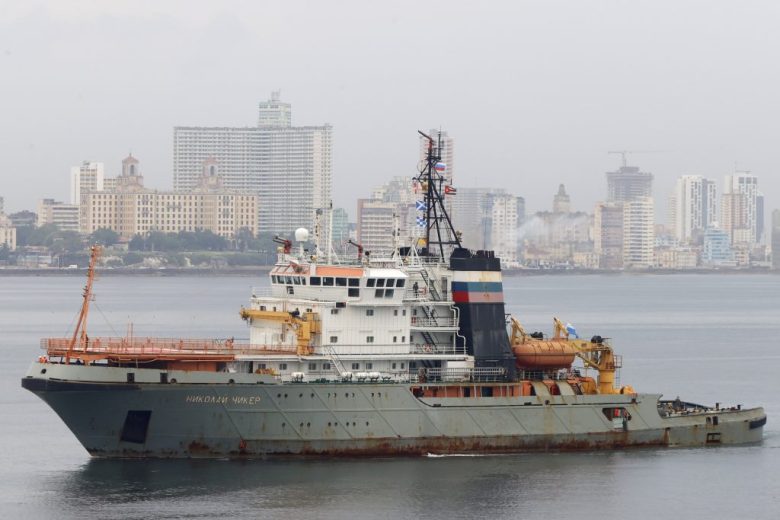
(544, 355)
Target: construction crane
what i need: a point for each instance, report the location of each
(623, 153)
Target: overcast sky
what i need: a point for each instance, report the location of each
(534, 92)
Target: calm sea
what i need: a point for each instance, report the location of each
(705, 338)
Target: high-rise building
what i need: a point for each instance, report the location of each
(608, 234)
(84, 178)
(472, 212)
(288, 167)
(561, 201)
(638, 233)
(740, 206)
(505, 212)
(64, 216)
(274, 112)
(132, 209)
(776, 239)
(378, 222)
(693, 207)
(340, 228)
(628, 183)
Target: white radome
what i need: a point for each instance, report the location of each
(301, 235)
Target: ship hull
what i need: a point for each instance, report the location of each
(113, 418)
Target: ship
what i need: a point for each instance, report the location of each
(407, 354)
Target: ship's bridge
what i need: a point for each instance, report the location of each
(354, 284)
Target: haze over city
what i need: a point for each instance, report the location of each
(535, 93)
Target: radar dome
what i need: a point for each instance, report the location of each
(301, 235)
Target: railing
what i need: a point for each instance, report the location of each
(437, 348)
(475, 375)
(433, 322)
(160, 347)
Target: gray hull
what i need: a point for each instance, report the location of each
(198, 418)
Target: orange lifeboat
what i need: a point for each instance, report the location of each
(544, 355)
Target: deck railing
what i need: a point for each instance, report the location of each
(146, 346)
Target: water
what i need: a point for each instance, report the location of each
(702, 337)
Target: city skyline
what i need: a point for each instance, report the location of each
(553, 97)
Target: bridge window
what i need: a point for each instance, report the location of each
(380, 282)
(389, 293)
(370, 282)
(328, 281)
(341, 282)
(354, 282)
(379, 293)
(400, 282)
(352, 292)
(314, 280)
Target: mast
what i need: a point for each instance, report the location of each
(439, 232)
(80, 331)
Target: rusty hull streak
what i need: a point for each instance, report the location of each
(385, 448)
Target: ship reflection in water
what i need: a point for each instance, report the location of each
(502, 486)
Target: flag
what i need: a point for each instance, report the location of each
(449, 190)
(421, 206)
(571, 330)
(421, 221)
(440, 167)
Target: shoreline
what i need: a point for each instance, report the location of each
(263, 270)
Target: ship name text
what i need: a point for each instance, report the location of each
(222, 399)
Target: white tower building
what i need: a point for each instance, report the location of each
(288, 167)
(87, 177)
(694, 206)
(638, 233)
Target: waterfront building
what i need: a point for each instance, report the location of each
(87, 177)
(471, 215)
(717, 250)
(378, 224)
(132, 209)
(24, 218)
(64, 216)
(506, 212)
(7, 232)
(693, 207)
(608, 234)
(638, 233)
(667, 257)
(742, 208)
(289, 167)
